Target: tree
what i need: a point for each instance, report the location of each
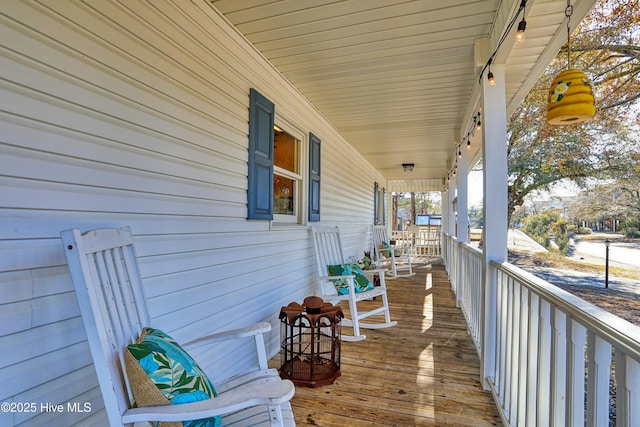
(475, 216)
(606, 46)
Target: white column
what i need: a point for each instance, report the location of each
(462, 184)
(494, 232)
(463, 218)
(452, 212)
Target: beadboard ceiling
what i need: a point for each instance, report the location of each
(399, 78)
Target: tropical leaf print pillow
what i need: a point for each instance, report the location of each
(361, 283)
(386, 249)
(175, 374)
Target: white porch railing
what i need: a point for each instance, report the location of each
(557, 360)
(425, 241)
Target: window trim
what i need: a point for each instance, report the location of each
(299, 217)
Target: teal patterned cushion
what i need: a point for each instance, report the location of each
(361, 283)
(386, 249)
(173, 371)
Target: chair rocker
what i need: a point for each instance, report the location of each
(328, 250)
(396, 257)
(106, 278)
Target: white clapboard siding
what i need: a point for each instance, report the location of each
(126, 113)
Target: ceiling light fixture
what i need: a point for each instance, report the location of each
(408, 167)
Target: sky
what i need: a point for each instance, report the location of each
(562, 189)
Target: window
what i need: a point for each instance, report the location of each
(276, 176)
(287, 180)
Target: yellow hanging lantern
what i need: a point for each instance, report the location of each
(571, 97)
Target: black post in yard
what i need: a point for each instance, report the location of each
(606, 264)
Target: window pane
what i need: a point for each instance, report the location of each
(285, 151)
(283, 195)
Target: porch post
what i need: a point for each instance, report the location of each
(494, 231)
(452, 214)
(444, 227)
(463, 217)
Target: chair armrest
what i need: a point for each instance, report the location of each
(266, 392)
(346, 276)
(250, 331)
(375, 271)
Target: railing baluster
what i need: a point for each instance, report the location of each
(575, 398)
(523, 350)
(628, 393)
(599, 367)
(558, 368)
(532, 360)
(544, 363)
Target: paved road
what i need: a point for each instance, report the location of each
(625, 255)
(568, 277)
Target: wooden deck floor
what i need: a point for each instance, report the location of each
(422, 372)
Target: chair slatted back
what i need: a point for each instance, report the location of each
(379, 235)
(105, 274)
(328, 247)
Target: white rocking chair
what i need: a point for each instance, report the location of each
(383, 253)
(328, 249)
(112, 303)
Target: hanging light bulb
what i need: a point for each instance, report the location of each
(478, 125)
(520, 33)
(570, 97)
(522, 25)
(492, 80)
(468, 144)
(459, 152)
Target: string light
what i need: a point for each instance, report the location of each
(492, 80)
(522, 25)
(475, 126)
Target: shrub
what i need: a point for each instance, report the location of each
(542, 226)
(582, 230)
(631, 232)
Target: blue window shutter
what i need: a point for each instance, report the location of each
(260, 186)
(314, 178)
(376, 204)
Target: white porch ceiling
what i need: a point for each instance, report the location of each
(399, 78)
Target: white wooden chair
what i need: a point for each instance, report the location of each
(105, 274)
(328, 250)
(383, 253)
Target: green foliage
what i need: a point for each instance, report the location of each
(633, 222)
(582, 230)
(475, 216)
(543, 226)
(631, 233)
(605, 47)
